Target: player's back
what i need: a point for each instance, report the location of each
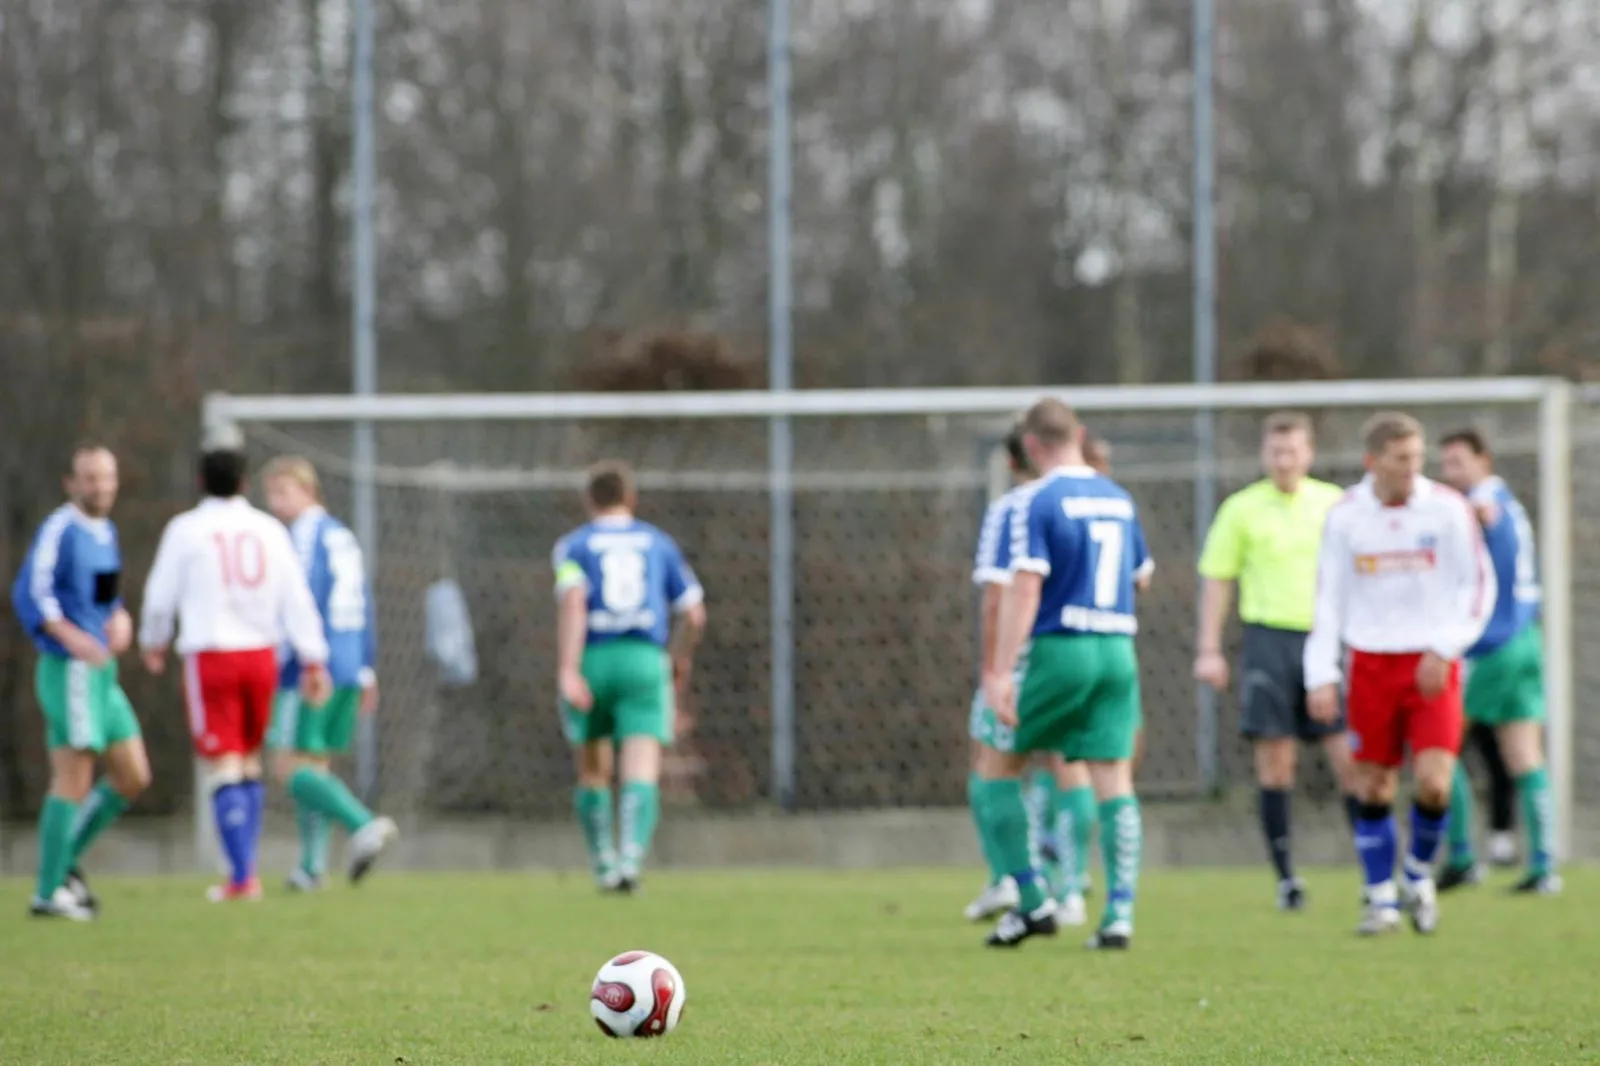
(1085, 528)
(634, 573)
(336, 572)
(234, 565)
(1513, 549)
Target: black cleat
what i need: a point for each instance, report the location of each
(1545, 884)
(1454, 876)
(78, 885)
(1111, 938)
(1291, 895)
(627, 885)
(1015, 926)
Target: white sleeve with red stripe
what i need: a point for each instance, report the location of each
(1468, 575)
(1323, 651)
(302, 625)
(163, 588)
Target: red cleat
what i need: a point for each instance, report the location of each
(226, 893)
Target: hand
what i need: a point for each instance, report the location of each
(1488, 513)
(1323, 704)
(315, 685)
(1211, 668)
(682, 670)
(155, 660)
(84, 648)
(999, 691)
(119, 632)
(369, 698)
(575, 690)
(1433, 674)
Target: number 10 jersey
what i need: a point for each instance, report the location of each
(635, 577)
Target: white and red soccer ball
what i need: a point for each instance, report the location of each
(638, 993)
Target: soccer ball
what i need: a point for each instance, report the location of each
(638, 993)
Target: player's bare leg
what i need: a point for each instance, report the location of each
(1000, 784)
(640, 806)
(1276, 760)
(592, 800)
(1076, 816)
(127, 776)
(1522, 745)
(235, 781)
(1376, 844)
(1122, 845)
(71, 776)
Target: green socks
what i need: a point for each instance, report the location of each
(55, 844)
(102, 807)
(1040, 797)
(325, 794)
(641, 810)
(975, 802)
(1121, 841)
(1002, 808)
(1075, 823)
(1538, 816)
(313, 829)
(1460, 831)
(593, 807)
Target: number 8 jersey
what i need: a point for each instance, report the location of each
(1080, 531)
(635, 575)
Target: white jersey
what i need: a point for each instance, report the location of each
(1409, 578)
(228, 576)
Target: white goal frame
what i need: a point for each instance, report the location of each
(1552, 398)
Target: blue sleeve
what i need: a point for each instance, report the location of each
(1002, 546)
(369, 645)
(1142, 562)
(683, 588)
(1030, 536)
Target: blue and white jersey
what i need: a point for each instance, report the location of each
(1080, 531)
(72, 572)
(991, 564)
(337, 573)
(1513, 549)
(635, 575)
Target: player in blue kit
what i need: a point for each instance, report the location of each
(1504, 669)
(68, 598)
(1067, 626)
(306, 738)
(619, 584)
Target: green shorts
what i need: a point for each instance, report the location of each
(84, 707)
(632, 685)
(1080, 697)
(325, 730)
(1507, 685)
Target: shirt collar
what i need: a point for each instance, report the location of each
(1078, 470)
(307, 518)
(218, 501)
(100, 527)
(1421, 489)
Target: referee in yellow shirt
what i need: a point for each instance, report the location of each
(1266, 538)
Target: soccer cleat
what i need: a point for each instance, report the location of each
(1291, 894)
(1421, 902)
(1014, 926)
(62, 904)
(1455, 876)
(78, 885)
(1382, 914)
(1502, 849)
(1545, 884)
(368, 843)
(996, 899)
(1072, 910)
(1118, 936)
(229, 892)
(300, 881)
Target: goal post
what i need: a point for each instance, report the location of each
(887, 486)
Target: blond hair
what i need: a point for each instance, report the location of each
(1386, 427)
(297, 469)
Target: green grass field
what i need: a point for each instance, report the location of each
(833, 968)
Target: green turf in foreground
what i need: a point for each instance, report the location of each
(791, 968)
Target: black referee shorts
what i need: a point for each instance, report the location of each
(1272, 687)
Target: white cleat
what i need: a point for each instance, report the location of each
(1502, 849)
(300, 881)
(996, 899)
(61, 904)
(369, 842)
(1072, 910)
(1421, 902)
(1382, 911)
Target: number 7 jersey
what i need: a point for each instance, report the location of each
(1080, 531)
(635, 577)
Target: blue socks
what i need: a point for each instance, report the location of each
(1428, 827)
(1375, 843)
(238, 807)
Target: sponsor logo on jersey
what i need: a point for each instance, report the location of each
(1097, 507)
(1379, 564)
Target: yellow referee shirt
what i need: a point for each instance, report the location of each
(1268, 541)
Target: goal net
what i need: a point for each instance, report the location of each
(887, 492)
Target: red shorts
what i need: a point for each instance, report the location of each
(1388, 716)
(230, 695)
